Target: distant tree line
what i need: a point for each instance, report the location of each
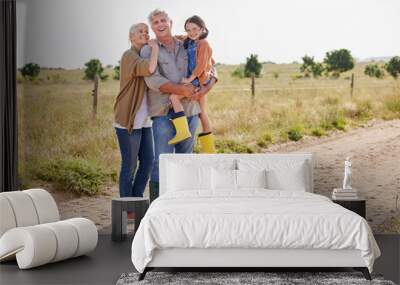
(339, 61)
(334, 63)
(31, 71)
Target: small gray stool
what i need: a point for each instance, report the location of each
(119, 209)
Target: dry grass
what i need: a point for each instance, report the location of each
(55, 113)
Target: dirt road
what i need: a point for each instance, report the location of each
(375, 153)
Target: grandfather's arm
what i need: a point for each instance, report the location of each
(182, 89)
(178, 89)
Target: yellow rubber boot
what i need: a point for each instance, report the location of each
(182, 130)
(207, 144)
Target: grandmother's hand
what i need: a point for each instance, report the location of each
(153, 43)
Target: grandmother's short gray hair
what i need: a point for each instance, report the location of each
(157, 12)
(133, 28)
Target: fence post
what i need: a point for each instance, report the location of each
(253, 85)
(95, 95)
(352, 86)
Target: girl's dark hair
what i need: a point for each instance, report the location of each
(199, 22)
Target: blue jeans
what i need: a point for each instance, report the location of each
(134, 147)
(163, 131)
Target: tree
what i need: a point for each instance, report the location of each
(338, 61)
(373, 70)
(393, 66)
(94, 67)
(308, 62)
(116, 72)
(317, 69)
(309, 66)
(252, 65)
(30, 71)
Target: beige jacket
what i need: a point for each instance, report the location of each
(132, 87)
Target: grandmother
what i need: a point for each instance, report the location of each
(131, 119)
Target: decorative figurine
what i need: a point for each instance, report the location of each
(347, 174)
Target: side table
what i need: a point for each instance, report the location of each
(119, 208)
(357, 206)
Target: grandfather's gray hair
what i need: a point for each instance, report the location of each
(157, 12)
(133, 28)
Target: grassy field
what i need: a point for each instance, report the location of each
(60, 142)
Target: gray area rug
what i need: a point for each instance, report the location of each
(232, 278)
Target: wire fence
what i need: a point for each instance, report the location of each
(268, 88)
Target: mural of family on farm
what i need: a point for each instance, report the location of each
(95, 119)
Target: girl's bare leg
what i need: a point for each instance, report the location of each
(176, 103)
(205, 121)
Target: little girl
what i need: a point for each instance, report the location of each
(200, 63)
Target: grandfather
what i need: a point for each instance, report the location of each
(172, 67)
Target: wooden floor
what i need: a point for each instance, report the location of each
(110, 260)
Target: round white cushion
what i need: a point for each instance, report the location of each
(33, 246)
(41, 244)
(87, 234)
(46, 207)
(67, 240)
(26, 208)
(23, 208)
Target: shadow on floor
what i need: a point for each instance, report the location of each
(110, 260)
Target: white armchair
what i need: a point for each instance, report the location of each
(31, 230)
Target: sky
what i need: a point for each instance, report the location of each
(67, 33)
